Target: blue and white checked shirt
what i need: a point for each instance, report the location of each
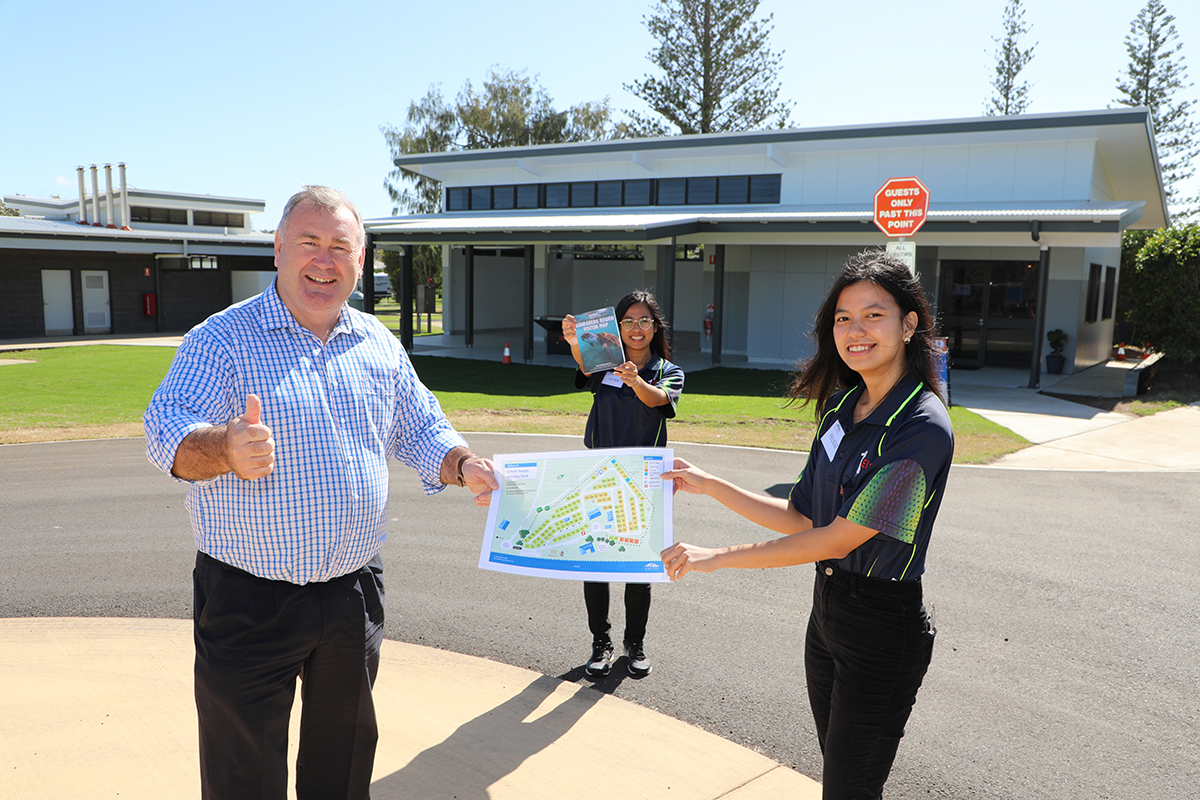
(337, 411)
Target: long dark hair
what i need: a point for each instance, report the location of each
(659, 343)
(825, 373)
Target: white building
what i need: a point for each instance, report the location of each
(1021, 208)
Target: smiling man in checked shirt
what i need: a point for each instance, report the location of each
(281, 413)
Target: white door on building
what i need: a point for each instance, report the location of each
(58, 309)
(96, 317)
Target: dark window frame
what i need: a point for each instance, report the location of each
(582, 194)
(1110, 292)
(764, 189)
(1091, 310)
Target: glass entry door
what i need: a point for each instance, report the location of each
(988, 312)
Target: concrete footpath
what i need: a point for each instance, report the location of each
(1073, 436)
(103, 707)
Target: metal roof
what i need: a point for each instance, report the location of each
(44, 234)
(788, 140)
(249, 205)
(1073, 224)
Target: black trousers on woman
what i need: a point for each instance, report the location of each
(254, 637)
(637, 610)
(868, 647)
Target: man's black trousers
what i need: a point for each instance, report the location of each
(254, 637)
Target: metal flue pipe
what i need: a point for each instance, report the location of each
(109, 216)
(82, 197)
(95, 196)
(124, 198)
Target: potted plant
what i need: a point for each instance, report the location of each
(1055, 361)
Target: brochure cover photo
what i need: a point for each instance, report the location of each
(599, 340)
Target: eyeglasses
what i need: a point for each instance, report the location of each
(644, 322)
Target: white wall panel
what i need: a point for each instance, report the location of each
(901, 164)
(858, 177)
(602, 283)
(1038, 171)
(807, 259)
(819, 180)
(944, 173)
(990, 173)
(803, 292)
(768, 258)
(765, 329)
(690, 301)
(1080, 157)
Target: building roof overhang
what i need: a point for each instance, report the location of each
(1056, 224)
(20, 233)
(136, 196)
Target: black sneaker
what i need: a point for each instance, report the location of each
(638, 665)
(600, 664)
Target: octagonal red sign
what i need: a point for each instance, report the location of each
(901, 206)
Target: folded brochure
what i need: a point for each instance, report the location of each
(599, 340)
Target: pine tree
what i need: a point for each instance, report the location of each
(718, 71)
(1155, 75)
(1012, 96)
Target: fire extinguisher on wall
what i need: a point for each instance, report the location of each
(708, 322)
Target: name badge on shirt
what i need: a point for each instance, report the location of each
(833, 439)
(612, 379)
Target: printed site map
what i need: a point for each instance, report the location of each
(596, 515)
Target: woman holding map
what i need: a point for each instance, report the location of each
(862, 510)
(631, 404)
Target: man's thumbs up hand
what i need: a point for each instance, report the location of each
(253, 413)
(249, 445)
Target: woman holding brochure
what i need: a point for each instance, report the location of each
(862, 510)
(631, 404)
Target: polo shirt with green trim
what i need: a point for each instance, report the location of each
(887, 472)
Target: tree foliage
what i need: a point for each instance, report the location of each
(509, 110)
(1161, 293)
(427, 266)
(718, 71)
(1154, 77)
(5, 211)
(1011, 94)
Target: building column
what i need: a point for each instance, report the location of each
(368, 275)
(527, 293)
(1039, 325)
(469, 304)
(666, 285)
(718, 302)
(406, 297)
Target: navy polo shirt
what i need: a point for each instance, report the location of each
(618, 418)
(887, 472)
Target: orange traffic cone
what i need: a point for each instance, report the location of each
(1121, 352)
(507, 355)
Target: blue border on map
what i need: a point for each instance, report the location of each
(559, 565)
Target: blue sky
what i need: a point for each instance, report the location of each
(253, 99)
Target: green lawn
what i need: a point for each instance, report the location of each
(78, 387)
(101, 391)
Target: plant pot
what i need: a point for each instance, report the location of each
(1055, 364)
